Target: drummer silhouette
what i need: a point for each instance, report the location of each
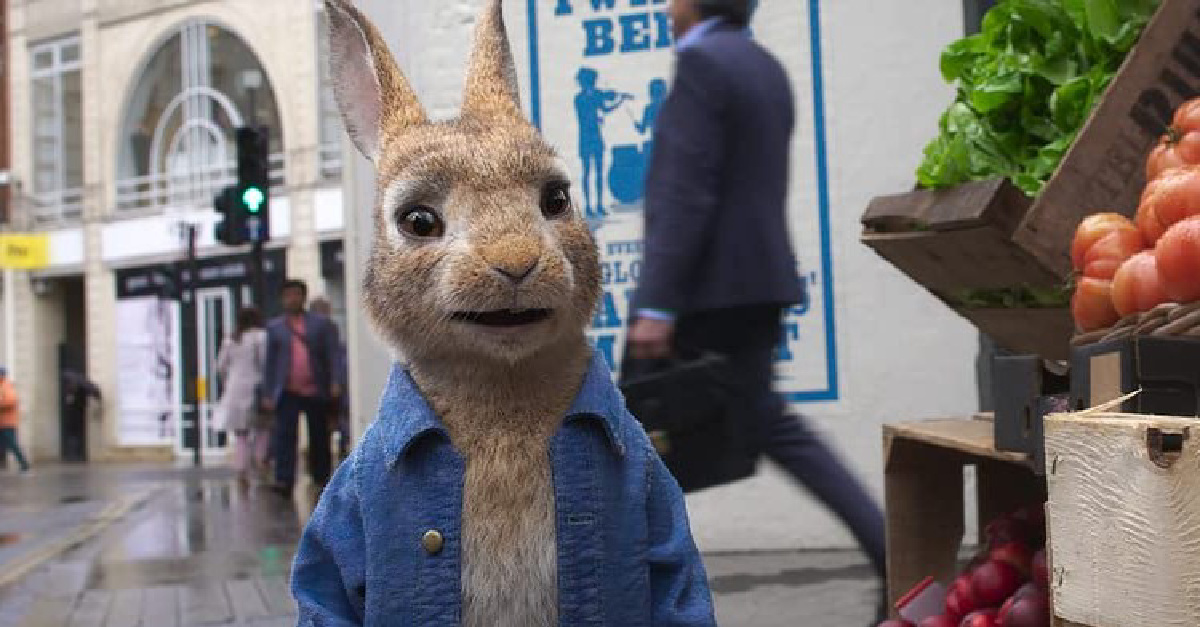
(591, 106)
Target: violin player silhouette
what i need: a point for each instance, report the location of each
(592, 104)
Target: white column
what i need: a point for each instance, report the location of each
(10, 322)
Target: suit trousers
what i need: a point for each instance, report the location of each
(287, 426)
(748, 338)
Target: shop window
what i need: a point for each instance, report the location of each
(178, 145)
(57, 126)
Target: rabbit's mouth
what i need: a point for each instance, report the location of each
(504, 318)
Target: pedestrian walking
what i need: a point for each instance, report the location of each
(240, 364)
(719, 270)
(10, 417)
(300, 378)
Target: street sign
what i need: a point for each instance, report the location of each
(24, 252)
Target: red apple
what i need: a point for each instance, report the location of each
(960, 600)
(1016, 554)
(982, 618)
(1031, 610)
(895, 622)
(939, 620)
(1041, 570)
(994, 582)
(1026, 590)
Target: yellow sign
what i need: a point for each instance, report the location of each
(24, 252)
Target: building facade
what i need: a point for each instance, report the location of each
(124, 114)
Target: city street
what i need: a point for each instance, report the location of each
(109, 546)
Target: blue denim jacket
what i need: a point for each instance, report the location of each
(626, 557)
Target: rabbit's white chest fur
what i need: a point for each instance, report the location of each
(510, 554)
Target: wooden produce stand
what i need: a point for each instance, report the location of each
(923, 477)
(1124, 519)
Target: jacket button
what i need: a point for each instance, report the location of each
(433, 542)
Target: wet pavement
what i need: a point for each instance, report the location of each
(107, 546)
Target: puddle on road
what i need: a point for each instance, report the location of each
(9, 539)
(70, 500)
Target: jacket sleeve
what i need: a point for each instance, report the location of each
(329, 573)
(678, 584)
(683, 189)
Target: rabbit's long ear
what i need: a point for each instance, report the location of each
(491, 91)
(372, 93)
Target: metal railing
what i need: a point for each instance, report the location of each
(329, 159)
(194, 188)
(55, 207)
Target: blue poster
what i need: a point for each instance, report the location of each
(599, 74)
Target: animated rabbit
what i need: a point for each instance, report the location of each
(503, 483)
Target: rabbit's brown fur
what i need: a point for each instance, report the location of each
(501, 395)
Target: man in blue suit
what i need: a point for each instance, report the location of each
(718, 270)
(301, 375)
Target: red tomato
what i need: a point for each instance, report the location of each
(1107, 254)
(1173, 196)
(1178, 254)
(1180, 145)
(1148, 223)
(1137, 286)
(1092, 229)
(1187, 117)
(1092, 305)
(1173, 150)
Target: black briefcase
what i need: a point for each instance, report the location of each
(688, 408)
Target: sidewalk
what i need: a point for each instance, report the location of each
(193, 549)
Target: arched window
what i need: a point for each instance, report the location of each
(177, 144)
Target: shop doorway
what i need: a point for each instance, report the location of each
(72, 362)
(215, 308)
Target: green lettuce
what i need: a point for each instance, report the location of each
(1026, 83)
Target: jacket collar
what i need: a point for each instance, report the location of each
(405, 416)
(697, 32)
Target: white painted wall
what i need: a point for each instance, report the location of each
(902, 355)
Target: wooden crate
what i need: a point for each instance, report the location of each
(1124, 519)
(923, 478)
(981, 235)
(1044, 332)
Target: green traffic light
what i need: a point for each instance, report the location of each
(253, 199)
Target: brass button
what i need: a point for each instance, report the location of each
(433, 542)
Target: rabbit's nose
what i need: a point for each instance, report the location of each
(516, 272)
(514, 258)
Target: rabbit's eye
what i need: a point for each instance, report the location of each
(556, 201)
(421, 222)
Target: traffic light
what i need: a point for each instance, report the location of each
(254, 182)
(231, 228)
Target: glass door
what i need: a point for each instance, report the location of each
(214, 319)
